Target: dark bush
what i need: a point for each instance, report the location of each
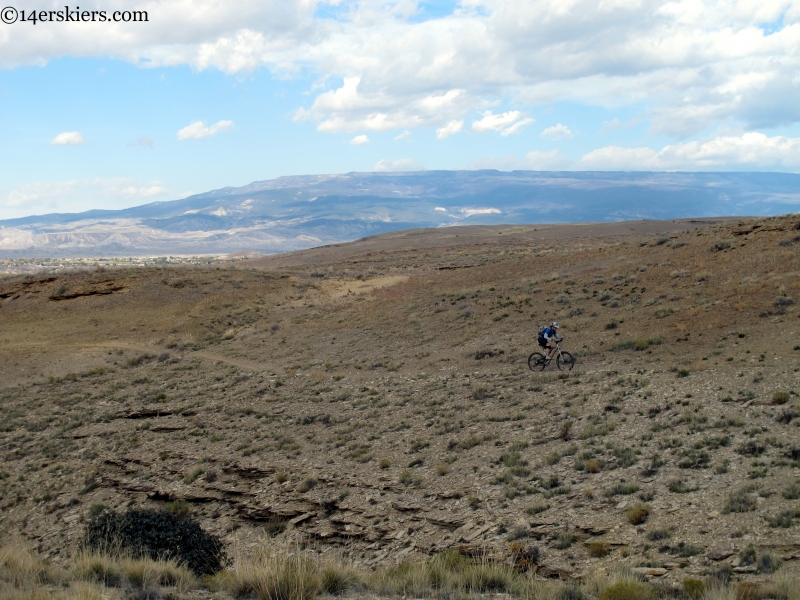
(157, 535)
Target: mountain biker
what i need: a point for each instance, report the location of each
(548, 337)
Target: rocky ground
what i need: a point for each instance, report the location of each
(374, 401)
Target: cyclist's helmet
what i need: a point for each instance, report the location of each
(554, 324)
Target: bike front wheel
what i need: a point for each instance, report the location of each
(536, 361)
(565, 361)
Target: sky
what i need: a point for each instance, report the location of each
(208, 94)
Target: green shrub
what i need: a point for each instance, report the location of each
(783, 519)
(536, 509)
(659, 534)
(564, 541)
(768, 563)
(158, 535)
(621, 489)
(792, 492)
(780, 397)
(178, 508)
(740, 501)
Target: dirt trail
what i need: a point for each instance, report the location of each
(16, 349)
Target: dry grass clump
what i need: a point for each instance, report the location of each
(336, 579)
(270, 576)
(445, 574)
(598, 549)
(193, 473)
(114, 571)
(21, 569)
(694, 588)
(627, 590)
(638, 513)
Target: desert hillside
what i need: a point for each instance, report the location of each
(371, 401)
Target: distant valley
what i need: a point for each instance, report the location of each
(292, 213)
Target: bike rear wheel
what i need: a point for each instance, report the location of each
(536, 361)
(565, 361)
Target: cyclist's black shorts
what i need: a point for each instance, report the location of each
(543, 342)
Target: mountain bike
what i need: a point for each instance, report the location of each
(564, 360)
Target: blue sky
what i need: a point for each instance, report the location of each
(205, 96)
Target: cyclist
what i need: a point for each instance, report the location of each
(548, 337)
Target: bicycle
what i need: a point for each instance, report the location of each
(564, 360)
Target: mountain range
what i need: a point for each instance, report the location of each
(291, 213)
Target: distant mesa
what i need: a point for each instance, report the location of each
(292, 213)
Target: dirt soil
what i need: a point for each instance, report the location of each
(373, 399)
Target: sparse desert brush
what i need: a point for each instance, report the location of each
(564, 541)
(638, 513)
(621, 489)
(658, 534)
(20, 568)
(385, 463)
(281, 477)
(793, 491)
(269, 576)
(142, 572)
(229, 334)
(694, 588)
(740, 501)
(178, 507)
(598, 549)
(442, 468)
(780, 397)
(193, 473)
(306, 485)
(627, 590)
(479, 393)
(336, 578)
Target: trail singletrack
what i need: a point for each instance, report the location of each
(144, 348)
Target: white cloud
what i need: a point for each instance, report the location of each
(516, 127)
(557, 132)
(68, 138)
(144, 192)
(752, 150)
(451, 128)
(469, 212)
(77, 195)
(532, 161)
(359, 140)
(615, 124)
(507, 123)
(402, 136)
(401, 164)
(440, 209)
(492, 122)
(147, 142)
(198, 130)
(693, 63)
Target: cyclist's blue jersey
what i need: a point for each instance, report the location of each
(549, 333)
